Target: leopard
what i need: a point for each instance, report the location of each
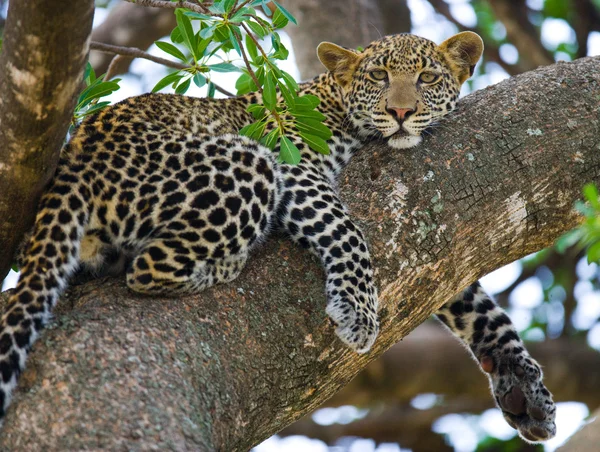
(164, 188)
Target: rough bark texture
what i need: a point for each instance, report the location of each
(40, 74)
(227, 368)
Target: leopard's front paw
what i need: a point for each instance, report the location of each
(356, 322)
(520, 393)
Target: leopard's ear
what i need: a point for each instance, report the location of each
(339, 61)
(463, 50)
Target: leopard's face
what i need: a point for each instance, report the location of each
(402, 84)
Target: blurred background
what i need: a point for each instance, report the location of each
(425, 393)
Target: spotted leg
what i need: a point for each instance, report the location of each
(314, 217)
(170, 267)
(515, 377)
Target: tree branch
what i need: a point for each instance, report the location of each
(41, 65)
(137, 53)
(130, 26)
(227, 368)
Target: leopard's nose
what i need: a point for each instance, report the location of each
(400, 113)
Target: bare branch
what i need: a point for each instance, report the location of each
(137, 53)
(197, 7)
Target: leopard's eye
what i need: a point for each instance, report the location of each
(428, 77)
(379, 75)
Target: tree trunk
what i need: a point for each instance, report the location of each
(227, 368)
(40, 77)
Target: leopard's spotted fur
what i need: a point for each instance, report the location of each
(166, 182)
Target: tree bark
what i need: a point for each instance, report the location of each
(41, 64)
(227, 368)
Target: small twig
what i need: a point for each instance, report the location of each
(137, 53)
(112, 67)
(173, 5)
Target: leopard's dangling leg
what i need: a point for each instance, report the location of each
(515, 377)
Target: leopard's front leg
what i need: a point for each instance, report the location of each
(312, 214)
(515, 377)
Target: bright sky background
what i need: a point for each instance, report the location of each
(463, 430)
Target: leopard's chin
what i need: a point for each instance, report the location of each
(404, 140)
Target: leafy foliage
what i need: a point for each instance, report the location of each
(588, 234)
(233, 26)
(96, 88)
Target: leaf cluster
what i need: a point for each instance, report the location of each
(587, 235)
(243, 28)
(88, 102)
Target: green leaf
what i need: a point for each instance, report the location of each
(313, 127)
(313, 114)
(257, 29)
(187, 32)
(168, 80)
(288, 152)
(15, 268)
(94, 108)
(195, 15)
(211, 90)
(251, 47)
(222, 33)
(245, 84)
(270, 140)
(171, 50)
(97, 91)
(199, 80)
(306, 102)
(224, 67)
(289, 81)
(234, 42)
(279, 20)
(239, 16)
(89, 76)
(256, 110)
(176, 36)
(591, 194)
(288, 96)
(228, 4)
(254, 130)
(183, 87)
(207, 33)
(269, 93)
(316, 143)
(217, 8)
(285, 12)
(282, 53)
(593, 253)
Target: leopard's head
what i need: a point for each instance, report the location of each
(401, 84)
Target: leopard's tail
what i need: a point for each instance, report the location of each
(51, 256)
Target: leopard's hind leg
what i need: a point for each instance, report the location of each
(174, 267)
(515, 377)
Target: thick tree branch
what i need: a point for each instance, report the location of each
(41, 64)
(229, 367)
